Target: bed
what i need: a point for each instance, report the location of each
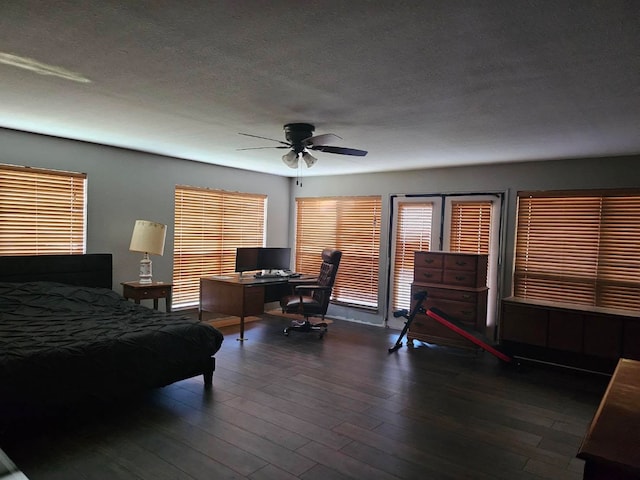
(66, 336)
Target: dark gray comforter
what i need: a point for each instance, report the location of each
(60, 342)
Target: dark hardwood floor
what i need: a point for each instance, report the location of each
(337, 408)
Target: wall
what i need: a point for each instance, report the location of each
(564, 174)
(125, 185)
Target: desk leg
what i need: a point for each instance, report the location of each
(242, 337)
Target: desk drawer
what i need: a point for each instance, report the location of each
(253, 300)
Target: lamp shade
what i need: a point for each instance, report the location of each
(309, 159)
(290, 159)
(148, 237)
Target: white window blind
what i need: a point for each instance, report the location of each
(579, 247)
(209, 226)
(42, 211)
(349, 224)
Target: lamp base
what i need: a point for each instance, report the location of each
(145, 269)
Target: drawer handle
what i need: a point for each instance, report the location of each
(461, 263)
(427, 275)
(428, 260)
(460, 278)
(466, 312)
(466, 296)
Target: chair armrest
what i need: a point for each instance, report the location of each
(310, 288)
(302, 281)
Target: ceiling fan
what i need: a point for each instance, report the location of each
(299, 139)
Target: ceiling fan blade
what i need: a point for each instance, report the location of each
(265, 138)
(321, 139)
(259, 148)
(339, 150)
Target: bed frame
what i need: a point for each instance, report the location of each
(90, 270)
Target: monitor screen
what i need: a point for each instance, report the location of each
(262, 258)
(247, 259)
(274, 258)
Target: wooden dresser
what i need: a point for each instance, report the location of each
(456, 283)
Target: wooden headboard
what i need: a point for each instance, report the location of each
(91, 270)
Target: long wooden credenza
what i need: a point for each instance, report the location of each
(589, 338)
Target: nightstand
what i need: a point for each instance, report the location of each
(141, 291)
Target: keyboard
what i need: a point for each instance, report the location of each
(269, 275)
(277, 275)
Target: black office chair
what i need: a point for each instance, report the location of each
(312, 299)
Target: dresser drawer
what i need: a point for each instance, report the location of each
(465, 296)
(467, 263)
(466, 313)
(424, 325)
(428, 260)
(460, 278)
(427, 275)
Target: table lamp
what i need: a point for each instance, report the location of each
(148, 238)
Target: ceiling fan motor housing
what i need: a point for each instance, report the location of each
(295, 133)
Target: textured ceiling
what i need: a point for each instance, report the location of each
(418, 84)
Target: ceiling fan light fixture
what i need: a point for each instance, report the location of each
(309, 159)
(290, 159)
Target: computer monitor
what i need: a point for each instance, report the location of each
(274, 258)
(247, 259)
(262, 258)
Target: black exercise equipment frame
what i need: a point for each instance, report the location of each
(419, 297)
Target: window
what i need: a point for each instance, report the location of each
(209, 226)
(42, 211)
(579, 247)
(352, 225)
(413, 234)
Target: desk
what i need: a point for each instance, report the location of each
(611, 447)
(242, 296)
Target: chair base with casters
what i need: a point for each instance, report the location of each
(306, 326)
(312, 299)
